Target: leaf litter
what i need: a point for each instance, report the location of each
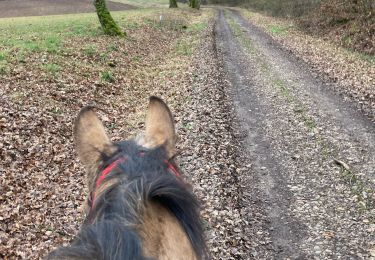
(42, 186)
(42, 189)
(349, 72)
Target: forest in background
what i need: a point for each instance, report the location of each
(350, 23)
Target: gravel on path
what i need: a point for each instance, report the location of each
(310, 187)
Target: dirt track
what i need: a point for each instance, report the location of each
(284, 197)
(17, 8)
(298, 202)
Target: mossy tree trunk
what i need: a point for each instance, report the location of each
(109, 25)
(195, 4)
(173, 4)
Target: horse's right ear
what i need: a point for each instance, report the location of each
(160, 126)
(90, 139)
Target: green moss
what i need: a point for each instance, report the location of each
(109, 25)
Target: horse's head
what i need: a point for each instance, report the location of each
(93, 144)
(139, 205)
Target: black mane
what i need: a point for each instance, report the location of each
(109, 229)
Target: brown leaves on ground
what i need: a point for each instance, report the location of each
(351, 73)
(42, 183)
(348, 23)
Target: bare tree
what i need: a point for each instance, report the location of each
(109, 25)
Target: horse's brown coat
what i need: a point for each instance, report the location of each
(162, 235)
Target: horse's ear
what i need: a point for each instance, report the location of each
(90, 138)
(160, 126)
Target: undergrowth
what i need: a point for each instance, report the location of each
(349, 23)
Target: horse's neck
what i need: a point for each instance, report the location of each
(162, 235)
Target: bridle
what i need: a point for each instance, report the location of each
(113, 165)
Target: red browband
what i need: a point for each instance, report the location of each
(172, 168)
(114, 164)
(107, 170)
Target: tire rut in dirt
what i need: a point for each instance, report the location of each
(266, 193)
(294, 127)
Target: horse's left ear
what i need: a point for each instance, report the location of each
(160, 126)
(90, 139)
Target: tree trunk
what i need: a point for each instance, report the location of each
(173, 4)
(195, 4)
(109, 25)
